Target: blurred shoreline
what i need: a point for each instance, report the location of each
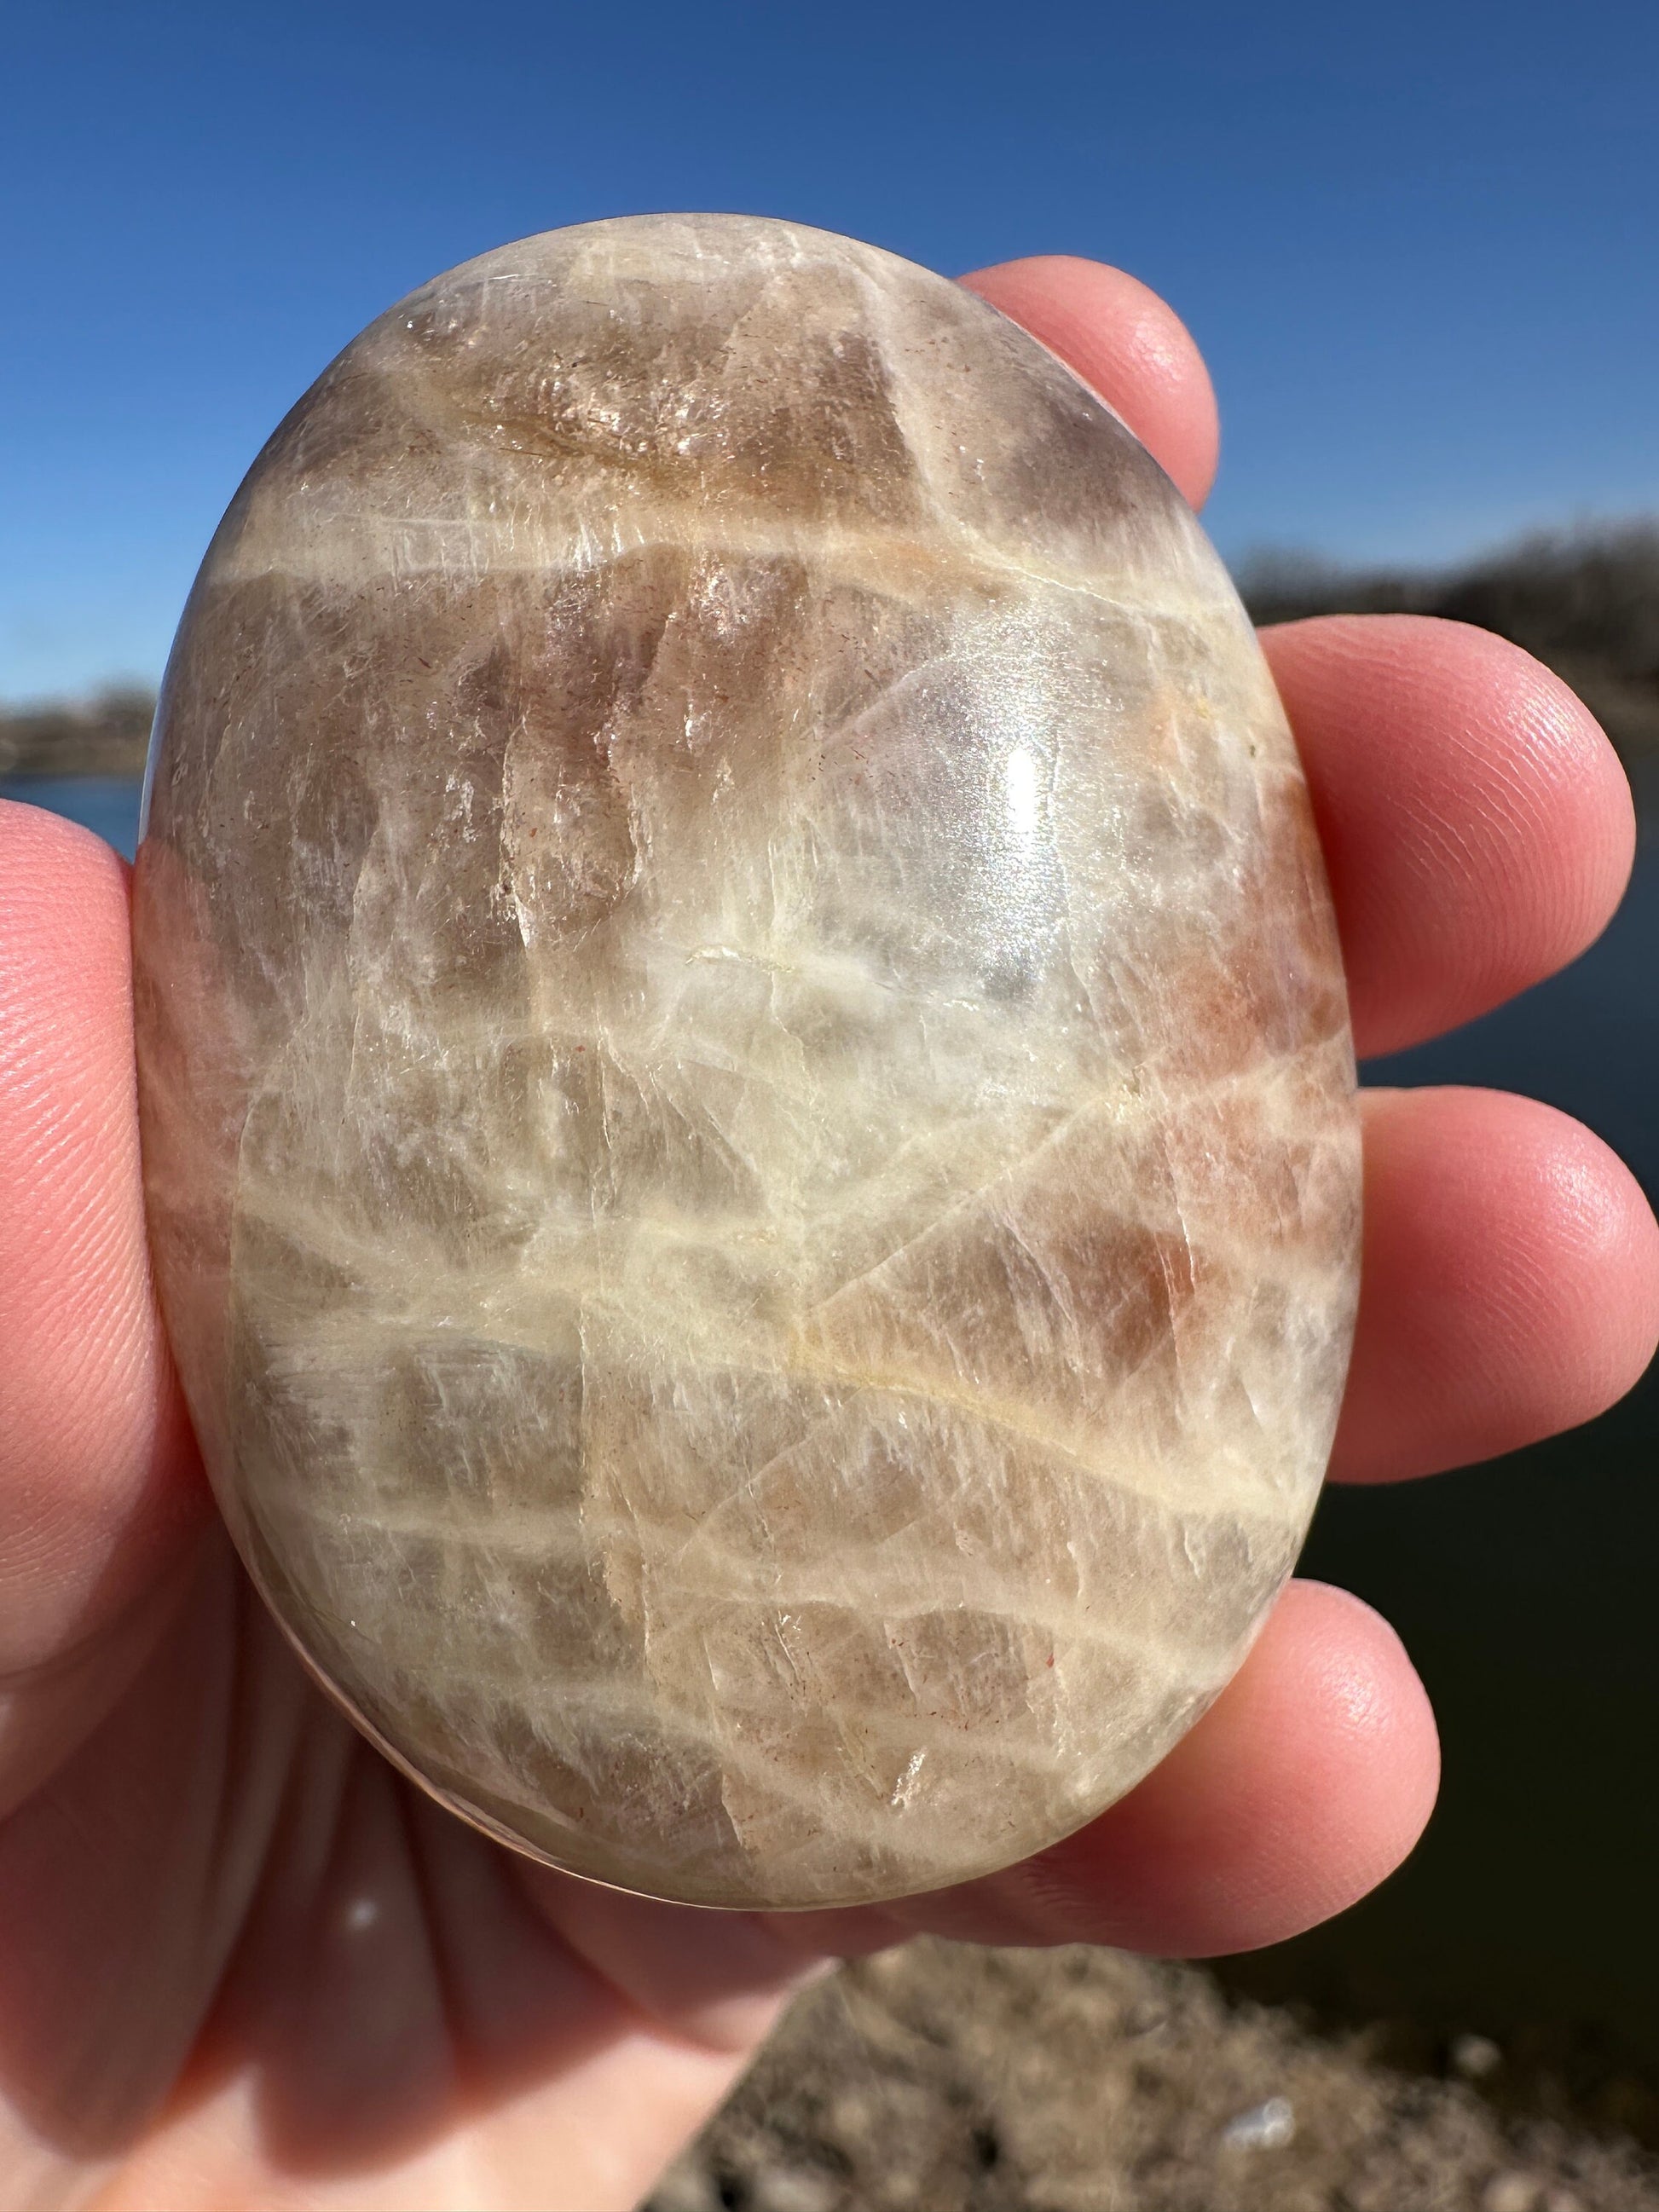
(1586, 602)
(105, 736)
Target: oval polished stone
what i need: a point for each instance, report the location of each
(747, 1097)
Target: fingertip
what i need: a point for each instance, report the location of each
(1127, 344)
(1317, 1771)
(1306, 1784)
(1477, 824)
(1333, 1656)
(1509, 1287)
(98, 1478)
(40, 850)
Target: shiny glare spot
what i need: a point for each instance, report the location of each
(1022, 792)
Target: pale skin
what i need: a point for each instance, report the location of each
(246, 1965)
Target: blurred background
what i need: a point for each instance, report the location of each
(1417, 247)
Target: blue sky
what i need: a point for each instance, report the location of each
(1419, 243)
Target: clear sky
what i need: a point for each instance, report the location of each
(1419, 242)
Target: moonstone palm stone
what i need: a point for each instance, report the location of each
(746, 1087)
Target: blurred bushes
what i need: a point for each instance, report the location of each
(105, 736)
(1586, 602)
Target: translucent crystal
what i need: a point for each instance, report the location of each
(746, 1089)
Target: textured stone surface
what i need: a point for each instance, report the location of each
(746, 1087)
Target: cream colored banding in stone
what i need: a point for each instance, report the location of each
(748, 1107)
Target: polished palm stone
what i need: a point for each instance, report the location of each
(746, 1087)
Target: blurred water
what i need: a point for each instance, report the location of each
(107, 804)
(1525, 1590)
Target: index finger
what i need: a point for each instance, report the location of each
(1477, 826)
(1127, 345)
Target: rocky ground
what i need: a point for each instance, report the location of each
(945, 2078)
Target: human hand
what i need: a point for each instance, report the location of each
(246, 1964)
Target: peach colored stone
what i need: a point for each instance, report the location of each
(746, 1086)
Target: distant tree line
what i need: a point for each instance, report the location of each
(1586, 602)
(104, 736)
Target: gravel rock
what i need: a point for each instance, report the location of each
(942, 2078)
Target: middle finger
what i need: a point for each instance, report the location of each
(1477, 826)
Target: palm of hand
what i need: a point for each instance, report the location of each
(247, 1964)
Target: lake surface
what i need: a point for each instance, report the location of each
(107, 804)
(1526, 1590)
